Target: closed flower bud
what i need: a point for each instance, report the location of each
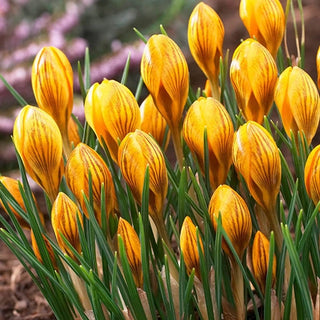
(253, 74)
(12, 185)
(297, 99)
(312, 175)
(235, 218)
(112, 111)
(189, 246)
(48, 246)
(133, 249)
(39, 143)
(165, 72)
(256, 157)
(153, 123)
(52, 84)
(137, 151)
(265, 21)
(64, 215)
(260, 260)
(83, 161)
(205, 37)
(210, 114)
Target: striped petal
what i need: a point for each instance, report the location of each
(52, 84)
(83, 161)
(235, 218)
(112, 111)
(64, 215)
(189, 246)
(253, 75)
(12, 185)
(260, 260)
(298, 102)
(39, 143)
(312, 175)
(210, 114)
(265, 21)
(165, 73)
(256, 157)
(152, 122)
(133, 249)
(137, 151)
(205, 37)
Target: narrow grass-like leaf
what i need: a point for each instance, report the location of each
(138, 311)
(125, 72)
(300, 279)
(14, 92)
(267, 299)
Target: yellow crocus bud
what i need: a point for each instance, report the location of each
(64, 215)
(205, 37)
(253, 74)
(152, 122)
(189, 247)
(318, 67)
(39, 143)
(164, 71)
(312, 175)
(12, 185)
(235, 218)
(112, 111)
(82, 161)
(210, 114)
(52, 84)
(36, 251)
(137, 151)
(256, 157)
(133, 249)
(260, 260)
(297, 99)
(265, 22)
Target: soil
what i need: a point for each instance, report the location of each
(19, 297)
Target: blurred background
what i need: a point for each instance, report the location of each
(106, 28)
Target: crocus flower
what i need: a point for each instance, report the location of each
(137, 151)
(253, 74)
(64, 215)
(235, 218)
(39, 143)
(12, 185)
(210, 114)
(205, 37)
(312, 175)
(298, 102)
(164, 71)
(265, 21)
(83, 161)
(112, 111)
(256, 157)
(189, 247)
(52, 84)
(152, 122)
(260, 260)
(133, 249)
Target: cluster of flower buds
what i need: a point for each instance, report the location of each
(82, 185)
